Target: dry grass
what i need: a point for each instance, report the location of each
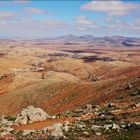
(67, 86)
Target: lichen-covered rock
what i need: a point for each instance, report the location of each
(31, 114)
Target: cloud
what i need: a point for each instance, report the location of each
(83, 20)
(7, 14)
(32, 10)
(112, 8)
(29, 27)
(82, 23)
(21, 1)
(107, 26)
(21, 23)
(15, 2)
(137, 22)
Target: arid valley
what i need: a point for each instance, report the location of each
(87, 87)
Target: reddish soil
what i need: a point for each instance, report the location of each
(49, 122)
(40, 125)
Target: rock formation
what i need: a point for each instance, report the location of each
(31, 114)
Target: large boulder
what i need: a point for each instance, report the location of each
(31, 114)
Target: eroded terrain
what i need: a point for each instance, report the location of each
(91, 91)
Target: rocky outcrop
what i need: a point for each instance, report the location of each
(31, 114)
(87, 124)
(92, 78)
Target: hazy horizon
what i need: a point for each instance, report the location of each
(65, 35)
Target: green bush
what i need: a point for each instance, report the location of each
(10, 118)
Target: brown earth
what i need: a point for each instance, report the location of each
(67, 83)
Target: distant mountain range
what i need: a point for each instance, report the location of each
(113, 40)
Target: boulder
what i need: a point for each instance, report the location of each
(66, 127)
(98, 134)
(135, 93)
(6, 131)
(86, 133)
(28, 132)
(95, 127)
(105, 114)
(114, 126)
(57, 130)
(129, 86)
(89, 109)
(93, 78)
(5, 122)
(107, 126)
(138, 104)
(31, 114)
(110, 105)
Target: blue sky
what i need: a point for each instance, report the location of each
(39, 19)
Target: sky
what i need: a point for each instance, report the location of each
(40, 19)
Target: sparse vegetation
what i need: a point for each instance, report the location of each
(10, 118)
(95, 90)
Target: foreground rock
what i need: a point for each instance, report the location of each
(86, 125)
(57, 130)
(31, 114)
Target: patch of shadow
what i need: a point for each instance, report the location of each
(83, 51)
(69, 43)
(129, 44)
(74, 51)
(95, 58)
(2, 54)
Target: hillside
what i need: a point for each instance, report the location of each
(62, 77)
